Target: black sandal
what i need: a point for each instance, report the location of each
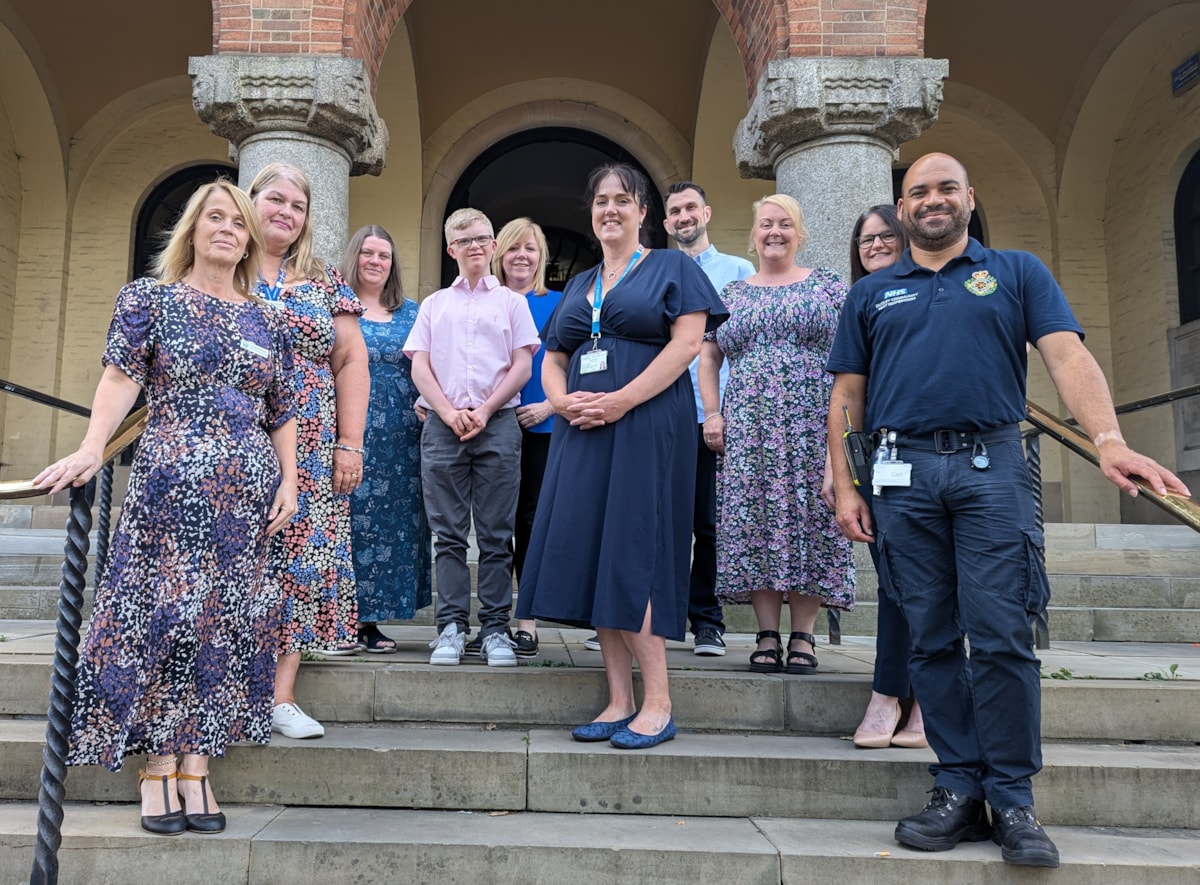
(801, 663)
(774, 656)
(375, 642)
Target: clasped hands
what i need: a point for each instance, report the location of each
(589, 409)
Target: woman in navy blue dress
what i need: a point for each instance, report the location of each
(611, 538)
(389, 532)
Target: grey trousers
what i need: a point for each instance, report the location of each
(478, 478)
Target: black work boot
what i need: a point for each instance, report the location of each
(1021, 838)
(948, 819)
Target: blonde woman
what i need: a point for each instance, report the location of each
(181, 648)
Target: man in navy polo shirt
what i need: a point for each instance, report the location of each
(931, 352)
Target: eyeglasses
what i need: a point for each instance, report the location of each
(464, 242)
(886, 239)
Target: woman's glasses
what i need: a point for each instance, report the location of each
(885, 239)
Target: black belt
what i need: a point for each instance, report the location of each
(947, 442)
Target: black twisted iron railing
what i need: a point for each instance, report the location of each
(66, 647)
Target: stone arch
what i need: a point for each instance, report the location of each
(33, 188)
(664, 153)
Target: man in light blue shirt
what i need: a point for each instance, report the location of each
(687, 220)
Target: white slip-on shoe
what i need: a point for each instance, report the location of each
(290, 721)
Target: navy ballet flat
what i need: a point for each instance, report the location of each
(600, 731)
(625, 739)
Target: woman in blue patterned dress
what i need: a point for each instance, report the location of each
(180, 653)
(387, 512)
(332, 385)
(776, 538)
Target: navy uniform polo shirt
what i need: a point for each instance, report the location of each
(946, 349)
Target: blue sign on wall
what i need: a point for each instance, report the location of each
(1185, 76)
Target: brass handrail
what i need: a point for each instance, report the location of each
(131, 428)
(1183, 509)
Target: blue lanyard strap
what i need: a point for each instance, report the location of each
(272, 293)
(598, 299)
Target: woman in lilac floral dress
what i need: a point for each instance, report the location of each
(776, 538)
(180, 653)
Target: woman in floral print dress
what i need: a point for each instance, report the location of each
(333, 385)
(180, 653)
(776, 538)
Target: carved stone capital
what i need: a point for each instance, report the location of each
(326, 97)
(800, 99)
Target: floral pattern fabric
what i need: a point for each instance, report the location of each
(180, 653)
(387, 512)
(773, 530)
(317, 572)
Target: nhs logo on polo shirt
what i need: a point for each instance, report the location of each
(892, 297)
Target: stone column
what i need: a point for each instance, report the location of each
(315, 112)
(827, 131)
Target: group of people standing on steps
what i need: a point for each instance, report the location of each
(655, 437)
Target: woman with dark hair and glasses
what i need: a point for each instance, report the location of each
(612, 535)
(877, 242)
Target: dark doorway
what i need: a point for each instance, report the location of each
(541, 174)
(1187, 241)
(162, 207)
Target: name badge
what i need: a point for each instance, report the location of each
(593, 361)
(892, 473)
(255, 349)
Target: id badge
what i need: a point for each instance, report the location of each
(892, 473)
(256, 349)
(593, 361)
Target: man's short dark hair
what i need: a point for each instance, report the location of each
(681, 186)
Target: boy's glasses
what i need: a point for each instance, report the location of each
(886, 238)
(464, 242)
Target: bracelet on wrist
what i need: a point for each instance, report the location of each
(710, 417)
(345, 448)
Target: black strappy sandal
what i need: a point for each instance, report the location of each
(774, 656)
(801, 663)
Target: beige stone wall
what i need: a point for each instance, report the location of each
(393, 200)
(10, 240)
(722, 106)
(1157, 138)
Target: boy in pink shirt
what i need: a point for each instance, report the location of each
(471, 348)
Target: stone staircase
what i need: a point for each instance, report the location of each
(469, 774)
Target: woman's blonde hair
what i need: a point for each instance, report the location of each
(304, 263)
(179, 255)
(392, 295)
(515, 232)
(790, 207)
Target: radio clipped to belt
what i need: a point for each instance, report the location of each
(856, 444)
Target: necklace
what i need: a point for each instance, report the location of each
(609, 274)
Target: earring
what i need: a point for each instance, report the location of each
(245, 255)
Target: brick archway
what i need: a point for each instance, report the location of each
(762, 29)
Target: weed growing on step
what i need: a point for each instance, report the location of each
(1064, 673)
(546, 664)
(1161, 675)
(3, 638)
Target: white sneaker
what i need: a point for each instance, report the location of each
(290, 721)
(497, 650)
(592, 643)
(448, 647)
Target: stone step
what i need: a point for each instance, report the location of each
(270, 844)
(1077, 707)
(698, 774)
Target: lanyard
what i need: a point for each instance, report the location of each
(272, 293)
(598, 299)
